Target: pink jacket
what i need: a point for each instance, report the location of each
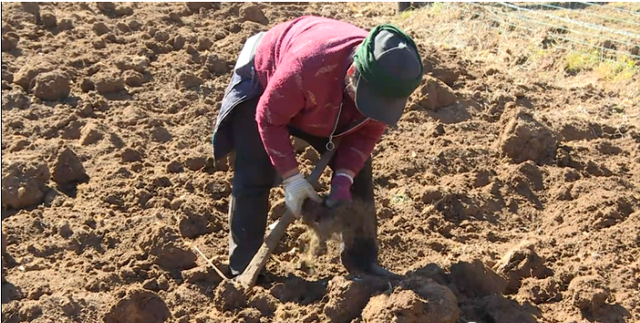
(301, 65)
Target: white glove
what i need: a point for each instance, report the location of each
(297, 189)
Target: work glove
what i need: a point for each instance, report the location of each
(340, 191)
(297, 189)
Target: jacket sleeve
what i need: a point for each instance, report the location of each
(282, 99)
(356, 147)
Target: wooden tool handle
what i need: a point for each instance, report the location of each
(248, 278)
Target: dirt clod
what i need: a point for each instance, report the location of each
(19, 145)
(431, 194)
(121, 26)
(52, 86)
(501, 310)
(133, 78)
(475, 279)
(204, 43)
(418, 300)
(69, 306)
(130, 155)
(49, 20)
(65, 24)
(7, 76)
(249, 315)
(588, 293)
(163, 247)
(175, 17)
(297, 290)
(525, 138)
(29, 311)
(175, 166)
(193, 225)
(539, 291)
(108, 82)
(90, 134)
(99, 44)
(447, 75)
(72, 130)
(252, 12)
(347, 298)
(87, 85)
(68, 168)
(204, 275)
(100, 28)
(435, 94)
(136, 63)
(196, 6)
(9, 42)
(161, 36)
(124, 11)
(229, 296)
(401, 306)
(216, 65)
(264, 302)
(23, 183)
(14, 100)
(106, 6)
(29, 71)
(178, 42)
(187, 80)
(195, 163)
(161, 134)
(138, 306)
(65, 230)
(521, 262)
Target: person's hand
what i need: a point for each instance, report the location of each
(340, 190)
(297, 189)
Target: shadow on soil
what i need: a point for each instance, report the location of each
(9, 292)
(609, 313)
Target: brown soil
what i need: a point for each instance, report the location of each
(508, 193)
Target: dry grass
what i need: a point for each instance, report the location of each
(516, 47)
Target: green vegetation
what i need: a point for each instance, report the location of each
(400, 199)
(619, 70)
(579, 61)
(614, 70)
(405, 15)
(436, 8)
(617, 109)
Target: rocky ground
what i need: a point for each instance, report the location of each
(504, 195)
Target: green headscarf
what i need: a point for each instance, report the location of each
(386, 84)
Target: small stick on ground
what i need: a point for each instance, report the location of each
(212, 264)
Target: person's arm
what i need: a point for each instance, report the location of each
(355, 148)
(282, 99)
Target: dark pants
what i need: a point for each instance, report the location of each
(254, 176)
